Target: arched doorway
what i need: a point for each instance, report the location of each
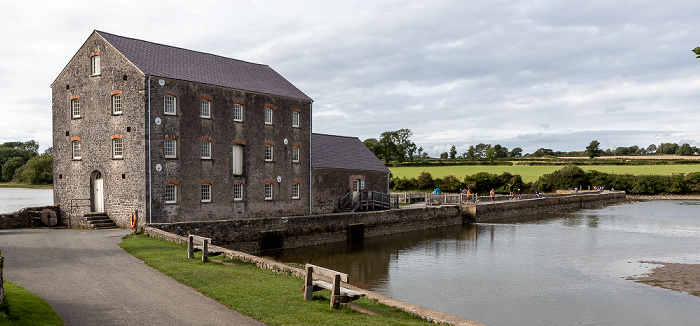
(97, 192)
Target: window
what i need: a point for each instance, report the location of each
(295, 154)
(269, 149)
(76, 149)
(170, 148)
(117, 148)
(170, 193)
(268, 191)
(206, 150)
(205, 108)
(268, 116)
(237, 159)
(169, 106)
(295, 191)
(95, 65)
(206, 193)
(238, 192)
(75, 107)
(295, 119)
(237, 112)
(117, 104)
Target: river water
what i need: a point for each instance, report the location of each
(561, 269)
(14, 199)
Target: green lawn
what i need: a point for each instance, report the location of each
(532, 173)
(275, 299)
(21, 307)
(23, 185)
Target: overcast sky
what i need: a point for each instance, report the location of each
(530, 74)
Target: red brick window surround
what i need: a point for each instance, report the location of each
(205, 106)
(206, 148)
(116, 102)
(95, 66)
(75, 106)
(268, 113)
(117, 146)
(76, 149)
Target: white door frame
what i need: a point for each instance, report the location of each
(97, 191)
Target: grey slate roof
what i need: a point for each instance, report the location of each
(340, 152)
(176, 63)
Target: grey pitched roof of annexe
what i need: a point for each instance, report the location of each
(166, 61)
(340, 152)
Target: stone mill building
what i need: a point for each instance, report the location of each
(177, 135)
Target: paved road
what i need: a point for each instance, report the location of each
(89, 280)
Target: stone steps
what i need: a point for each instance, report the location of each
(100, 221)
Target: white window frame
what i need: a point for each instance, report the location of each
(237, 160)
(269, 153)
(117, 104)
(295, 190)
(268, 116)
(206, 150)
(295, 154)
(205, 193)
(238, 113)
(268, 191)
(95, 66)
(170, 148)
(170, 105)
(204, 108)
(77, 153)
(295, 119)
(75, 108)
(171, 194)
(117, 148)
(237, 192)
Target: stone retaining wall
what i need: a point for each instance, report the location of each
(256, 235)
(507, 211)
(22, 218)
(253, 235)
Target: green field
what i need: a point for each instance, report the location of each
(532, 173)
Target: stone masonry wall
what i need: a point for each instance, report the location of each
(253, 235)
(507, 211)
(124, 181)
(22, 218)
(329, 185)
(248, 235)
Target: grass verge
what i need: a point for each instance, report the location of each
(272, 298)
(24, 185)
(21, 307)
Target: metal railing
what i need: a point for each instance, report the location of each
(366, 200)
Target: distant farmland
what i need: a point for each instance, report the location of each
(532, 173)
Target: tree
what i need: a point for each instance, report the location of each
(651, 149)
(373, 145)
(8, 169)
(667, 148)
(38, 170)
(516, 152)
(543, 152)
(684, 150)
(453, 152)
(593, 149)
(397, 145)
(471, 153)
(443, 155)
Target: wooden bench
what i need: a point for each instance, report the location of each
(204, 247)
(338, 294)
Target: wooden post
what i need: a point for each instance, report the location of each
(335, 294)
(190, 247)
(205, 249)
(309, 283)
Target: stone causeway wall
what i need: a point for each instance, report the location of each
(257, 235)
